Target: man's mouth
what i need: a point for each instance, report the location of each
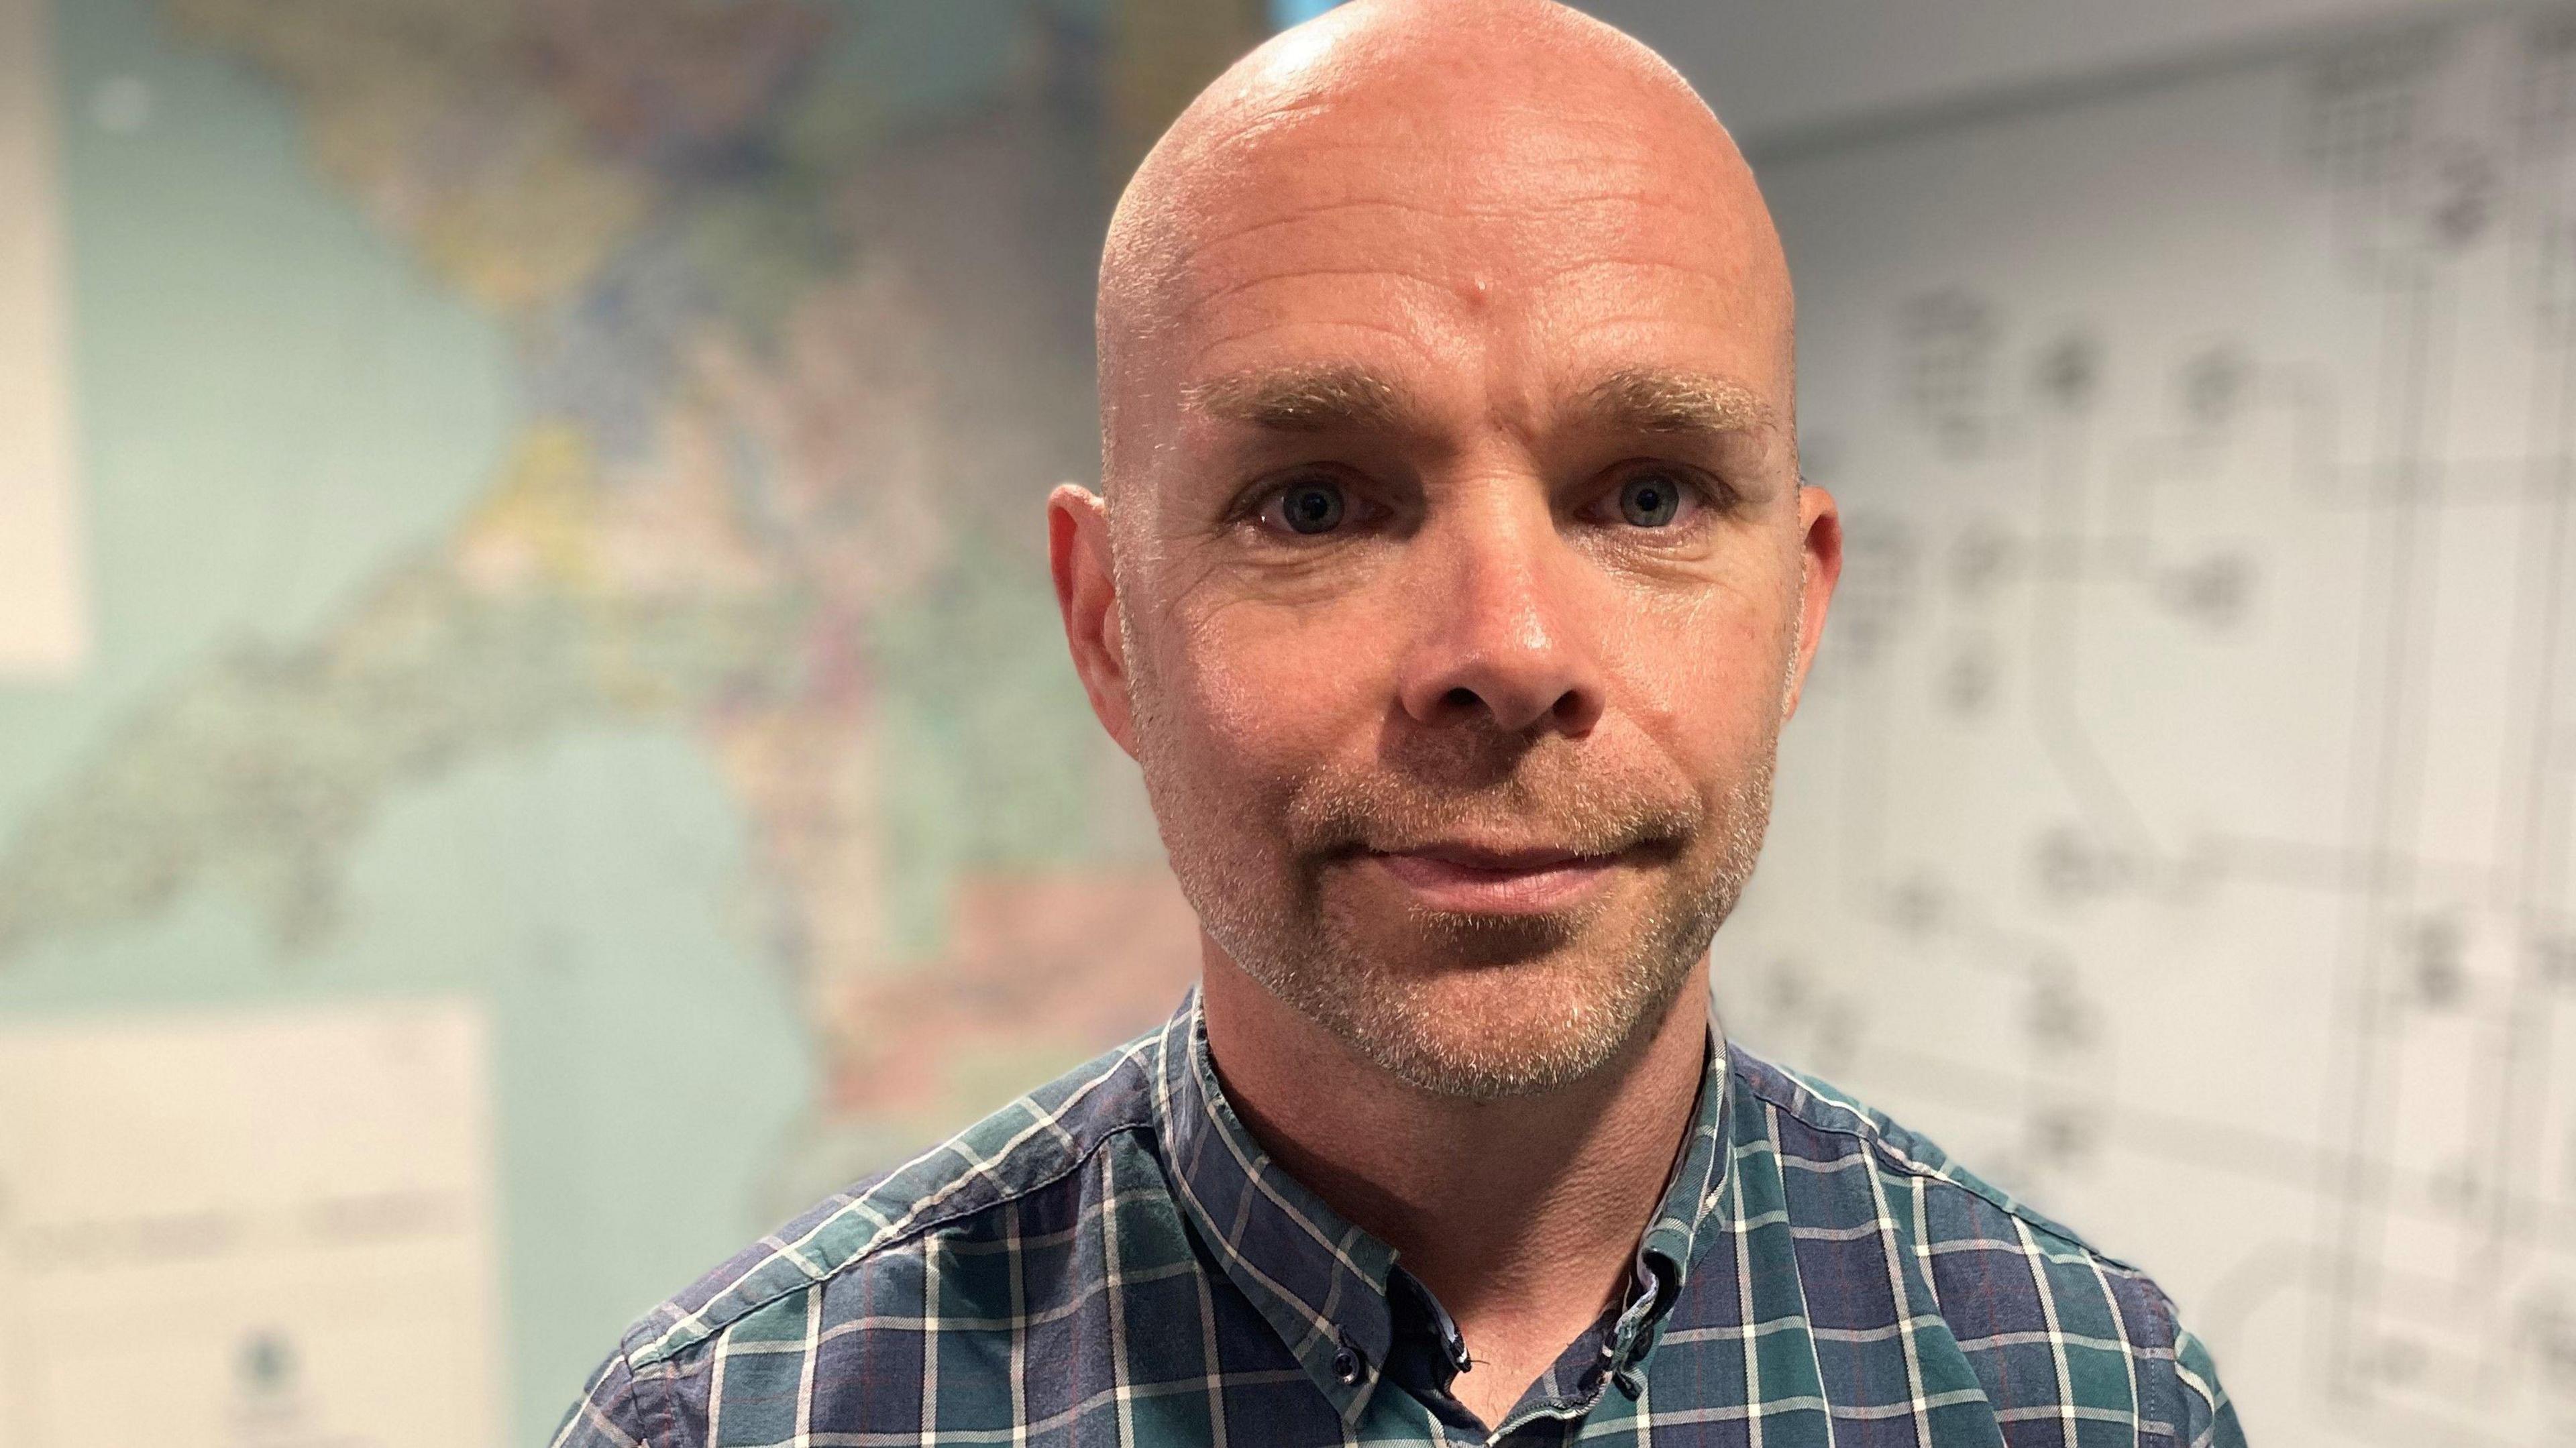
(1486, 880)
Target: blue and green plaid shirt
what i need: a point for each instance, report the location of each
(1113, 1260)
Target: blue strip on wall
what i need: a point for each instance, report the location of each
(1284, 13)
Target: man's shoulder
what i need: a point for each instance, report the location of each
(1027, 1147)
(1831, 1129)
(2034, 1317)
(1818, 1131)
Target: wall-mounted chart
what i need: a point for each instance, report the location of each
(2182, 821)
(277, 1226)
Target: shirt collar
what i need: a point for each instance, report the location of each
(1318, 1279)
(1321, 1282)
(1681, 1228)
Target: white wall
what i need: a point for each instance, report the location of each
(1783, 72)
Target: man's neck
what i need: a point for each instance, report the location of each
(1522, 1215)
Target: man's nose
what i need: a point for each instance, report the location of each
(1504, 629)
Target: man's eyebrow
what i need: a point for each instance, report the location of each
(1655, 399)
(1322, 398)
(1332, 397)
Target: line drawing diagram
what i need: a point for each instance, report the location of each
(2181, 822)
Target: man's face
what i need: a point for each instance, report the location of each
(1463, 578)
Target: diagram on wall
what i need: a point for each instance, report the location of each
(2181, 824)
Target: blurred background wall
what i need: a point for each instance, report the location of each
(534, 740)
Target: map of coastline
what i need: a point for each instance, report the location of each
(787, 335)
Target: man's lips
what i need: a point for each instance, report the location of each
(1495, 881)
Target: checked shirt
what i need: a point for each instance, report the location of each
(1113, 1260)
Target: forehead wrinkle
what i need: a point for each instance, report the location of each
(1691, 269)
(1487, 172)
(1200, 301)
(1266, 325)
(1215, 238)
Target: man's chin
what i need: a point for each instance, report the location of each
(1473, 952)
(1501, 1017)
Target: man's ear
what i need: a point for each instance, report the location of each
(1820, 566)
(1086, 591)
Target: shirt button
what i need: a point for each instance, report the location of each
(1348, 1364)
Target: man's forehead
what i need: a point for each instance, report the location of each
(1516, 202)
(1550, 231)
(1467, 84)
(1437, 189)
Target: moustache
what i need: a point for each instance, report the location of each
(1545, 801)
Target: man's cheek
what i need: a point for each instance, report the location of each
(1686, 682)
(1745, 644)
(1279, 694)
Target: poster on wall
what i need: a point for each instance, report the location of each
(277, 1226)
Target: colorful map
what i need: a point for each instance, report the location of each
(562, 486)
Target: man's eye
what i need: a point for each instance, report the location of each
(1309, 506)
(1652, 499)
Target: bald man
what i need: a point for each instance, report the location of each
(1451, 580)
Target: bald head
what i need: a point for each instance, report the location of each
(1458, 577)
(1424, 152)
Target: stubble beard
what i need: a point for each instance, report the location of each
(1516, 1005)
(1584, 985)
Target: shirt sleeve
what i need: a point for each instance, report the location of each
(2208, 1419)
(610, 1413)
